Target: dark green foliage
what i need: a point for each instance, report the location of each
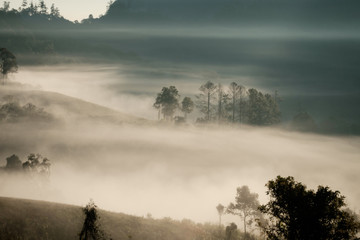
(262, 109)
(187, 106)
(8, 62)
(91, 229)
(300, 214)
(238, 105)
(205, 100)
(167, 101)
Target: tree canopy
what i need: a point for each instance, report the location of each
(246, 205)
(300, 214)
(187, 106)
(8, 63)
(167, 101)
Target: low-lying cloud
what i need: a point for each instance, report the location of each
(177, 172)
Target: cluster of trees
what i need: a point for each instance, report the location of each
(12, 111)
(217, 104)
(32, 9)
(293, 212)
(35, 165)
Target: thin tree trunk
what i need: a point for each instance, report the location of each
(208, 108)
(245, 226)
(220, 97)
(240, 113)
(233, 115)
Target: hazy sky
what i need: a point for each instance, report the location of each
(72, 9)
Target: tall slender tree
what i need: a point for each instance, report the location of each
(245, 206)
(242, 91)
(234, 94)
(204, 103)
(221, 210)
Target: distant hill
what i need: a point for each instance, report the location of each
(305, 13)
(64, 107)
(28, 219)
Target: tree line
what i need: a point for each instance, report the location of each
(32, 9)
(234, 104)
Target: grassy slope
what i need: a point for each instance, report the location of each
(28, 219)
(63, 106)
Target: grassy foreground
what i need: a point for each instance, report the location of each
(29, 219)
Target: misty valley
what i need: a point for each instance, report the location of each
(180, 120)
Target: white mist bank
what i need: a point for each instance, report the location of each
(166, 171)
(104, 85)
(177, 172)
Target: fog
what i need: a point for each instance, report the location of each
(165, 170)
(176, 172)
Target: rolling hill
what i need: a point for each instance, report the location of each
(63, 107)
(28, 219)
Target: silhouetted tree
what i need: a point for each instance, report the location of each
(43, 7)
(220, 209)
(33, 9)
(54, 11)
(37, 164)
(241, 103)
(207, 92)
(234, 94)
(222, 98)
(298, 214)
(13, 163)
(229, 231)
(6, 6)
(89, 20)
(24, 4)
(167, 101)
(187, 106)
(91, 228)
(8, 63)
(246, 205)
